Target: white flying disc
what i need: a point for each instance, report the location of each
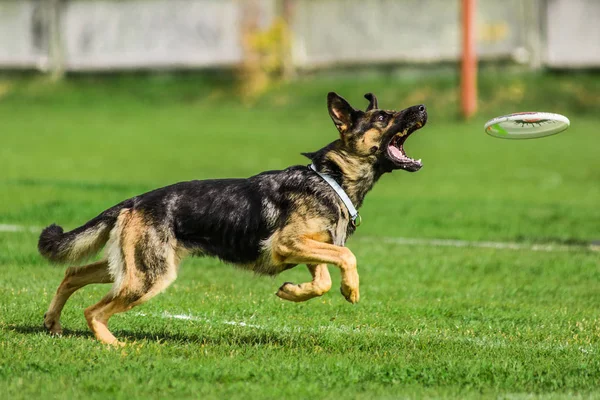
(527, 125)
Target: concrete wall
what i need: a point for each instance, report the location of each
(573, 33)
(103, 34)
(22, 40)
(125, 34)
(357, 31)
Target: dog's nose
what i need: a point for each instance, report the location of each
(422, 108)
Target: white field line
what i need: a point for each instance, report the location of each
(186, 317)
(404, 241)
(195, 318)
(548, 247)
(19, 228)
(483, 341)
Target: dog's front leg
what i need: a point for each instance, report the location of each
(320, 284)
(311, 251)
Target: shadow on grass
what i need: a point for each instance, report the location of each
(251, 337)
(37, 329)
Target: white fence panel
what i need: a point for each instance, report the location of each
(132, 34)
(573, 33)
(150, 33)
(358, 31)
(22, 44)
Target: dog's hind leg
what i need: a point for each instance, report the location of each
(75, 278)
(131, 293)
(144, 262)
(320, 284)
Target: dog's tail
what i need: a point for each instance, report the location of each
(59, 246)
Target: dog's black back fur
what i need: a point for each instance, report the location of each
(230, 218)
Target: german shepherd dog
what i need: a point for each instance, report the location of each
(267, 223)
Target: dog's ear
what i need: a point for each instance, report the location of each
(340, 112)
(373, 105)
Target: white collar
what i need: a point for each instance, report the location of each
(354, 215)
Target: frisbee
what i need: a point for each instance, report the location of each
(526, 125)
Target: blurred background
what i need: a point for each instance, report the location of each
(95, 35)
(102, 99)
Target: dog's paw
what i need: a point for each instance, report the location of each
(117, 344)
(52, 325)
(297, 293)
(287, 291)
(351, 294)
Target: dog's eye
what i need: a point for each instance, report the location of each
(381, 117)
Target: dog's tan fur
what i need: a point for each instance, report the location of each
(131, 245)
(305, 240)
(309, 224)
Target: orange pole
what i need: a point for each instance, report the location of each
(468, 74)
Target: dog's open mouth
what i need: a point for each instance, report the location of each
(396, 151)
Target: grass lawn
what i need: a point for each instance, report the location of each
(459, 322)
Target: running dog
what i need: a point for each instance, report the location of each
(267, 223)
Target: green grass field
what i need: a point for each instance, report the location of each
(433, 321)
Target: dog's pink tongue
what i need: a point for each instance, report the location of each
(396, 152)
